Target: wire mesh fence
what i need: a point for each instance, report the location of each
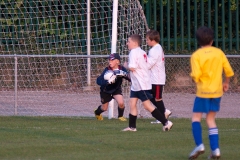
(56, 86)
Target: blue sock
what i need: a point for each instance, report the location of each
(213, 138)
(197, 132)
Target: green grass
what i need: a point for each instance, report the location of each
(55, 138)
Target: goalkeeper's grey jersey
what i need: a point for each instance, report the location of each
(156, 64)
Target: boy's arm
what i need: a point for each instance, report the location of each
(226, 84)
(131, 69)
(100, 79)
(126, 66)
(228, 71)
(132, 64)
(152, 58)
(127, 76)
(195, 68)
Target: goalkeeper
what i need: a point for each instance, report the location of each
(112, 88)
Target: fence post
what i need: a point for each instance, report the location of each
(15, 85)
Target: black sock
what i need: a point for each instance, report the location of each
(120, 111)
(132, 121)
(98, 110)
(159, 116)
(153, 101)
(160, 106)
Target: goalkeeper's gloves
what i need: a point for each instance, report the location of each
(120, 73)
(112, 79)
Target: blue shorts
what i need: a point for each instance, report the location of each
(206, 105)
(143, 95)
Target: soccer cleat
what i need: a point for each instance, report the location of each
(196, 152)
(156, 122)
(122, 119)
(130, 129)
(167, 113)
(167, 126)
(99, 117)
(215, 154)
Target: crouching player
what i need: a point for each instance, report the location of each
(111, 87)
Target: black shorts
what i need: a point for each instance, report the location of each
(106, 97)
(157, 91)
(143, 95)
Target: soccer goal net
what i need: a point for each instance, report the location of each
(45, 66)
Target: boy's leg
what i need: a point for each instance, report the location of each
(105, 99)
(133, 112)
(145, 96)
(198, 109)
(132, 115)
(160, 106)
(196, 128)
(153, 101)
(213, 134)
(197, 135)
(102, 108)
(121, 107)
(157, 100)
(155, 112)
(212, 127)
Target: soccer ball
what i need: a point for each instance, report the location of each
(108, 75)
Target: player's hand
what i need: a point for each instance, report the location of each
(120, 73)
(112, 79)
(225, 87)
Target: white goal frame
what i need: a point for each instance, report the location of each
(113, 48)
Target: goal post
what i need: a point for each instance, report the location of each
(113, 47)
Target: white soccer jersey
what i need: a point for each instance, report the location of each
(156, 65)
(140, 78)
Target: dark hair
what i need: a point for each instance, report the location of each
(153, 35)
(136, 38)
(204, 35)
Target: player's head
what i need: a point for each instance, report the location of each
(114, 60)
(134, 41)
(204, 36)
(152, 37)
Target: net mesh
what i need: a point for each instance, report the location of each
(43, 51)
(49, 41)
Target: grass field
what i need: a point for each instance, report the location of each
(55, 138)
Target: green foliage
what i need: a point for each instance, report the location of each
(56, 138)
(180, 19)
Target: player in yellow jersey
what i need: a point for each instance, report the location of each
(207, 66)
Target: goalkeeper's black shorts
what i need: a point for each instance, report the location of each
(107, 97)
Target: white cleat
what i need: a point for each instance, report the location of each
(168, 126)
(167, 113)
(196, 152)
(130, 129)
(215, 154)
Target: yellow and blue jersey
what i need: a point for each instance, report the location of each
(207, 66)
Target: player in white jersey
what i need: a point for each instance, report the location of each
(141, 85)
(156, 65)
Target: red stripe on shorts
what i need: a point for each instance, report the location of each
(157, 91)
